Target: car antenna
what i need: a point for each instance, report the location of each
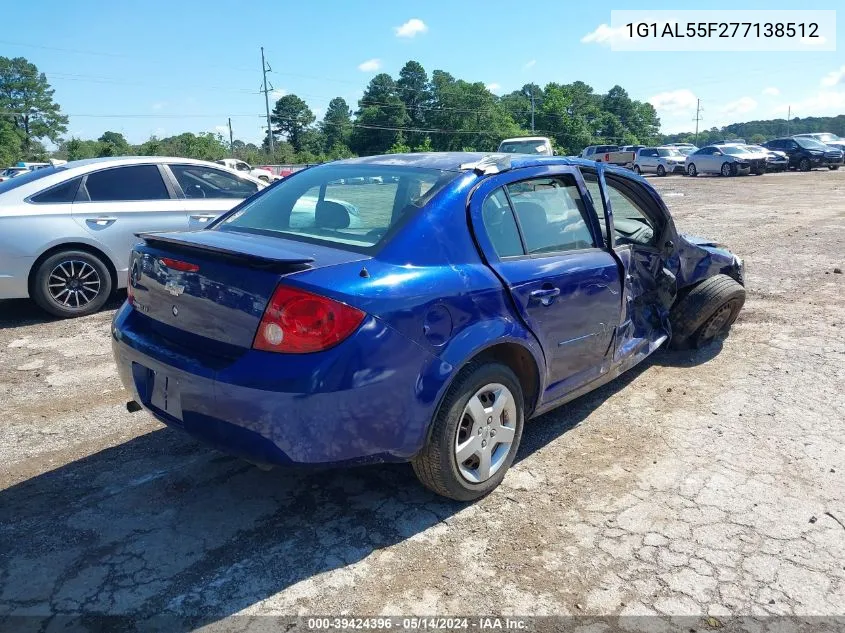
(364, 272)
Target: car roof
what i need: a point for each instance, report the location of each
(526, 138)
(131, 160)
(462, 161)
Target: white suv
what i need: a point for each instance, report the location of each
(659, 160)
(256, 172)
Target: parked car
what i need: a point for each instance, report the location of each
(806, 153)
(537, 145)
(775, 161)
(631, 148)
(825, 137)
(685, 148)
(66, 231)
(429, 333)
(659, 160)
(11, 172)
(730, 141)
(728, 160)
(593, 151)
(261, 173)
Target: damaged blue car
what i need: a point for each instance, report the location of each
(413, 308)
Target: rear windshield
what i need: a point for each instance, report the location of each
(17, 181)
(349, 206)
(524, 147)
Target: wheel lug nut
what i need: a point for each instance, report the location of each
(483, 443)
(479, 431)
(492, 433)
(489, 420)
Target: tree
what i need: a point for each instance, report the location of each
(413, 89)
(113, 144)
(337, 123)
(380, 115)
(292, 117)
(26, 95)
(10, 142)
(399, 146)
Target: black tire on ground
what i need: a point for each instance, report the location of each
(691, 170)
(72, 261)
(804, 164)
(661, 171)
(707, 310)
(833, 167)
(436, 464)
(637, 170)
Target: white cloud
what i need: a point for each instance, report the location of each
(369, 66)
(530, 64)
(411, 28)
(834, 77)
(158, 105)
(740, 106)
(494, 87)
(674, 101)
(823, 103)
(277, 94)
(603, 35)
(771, 91)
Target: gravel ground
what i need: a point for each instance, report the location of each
(702, 483)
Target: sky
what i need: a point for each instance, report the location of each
(162, 68)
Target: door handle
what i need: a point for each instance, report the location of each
(203, 217)
(545, 295)
(102, 220)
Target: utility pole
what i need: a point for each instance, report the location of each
(697, 119)
(788, 116)
(532, 111)
(264, 70)
(231, 142)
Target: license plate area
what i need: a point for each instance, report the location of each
(158, 390)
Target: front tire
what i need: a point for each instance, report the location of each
(833, 167)
(661, 171)
(706, 311)
(726, 169)
(71, 283)
(475, 434)
(637, 170)
(804, 164)
(691, 170)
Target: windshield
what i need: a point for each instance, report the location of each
(524, 147)
(668, 151)
(826, 137)
(349, 206)
(808, 143)
(733, 149)
(17, 181)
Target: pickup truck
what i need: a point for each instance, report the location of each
(609, 154)
(256, 172)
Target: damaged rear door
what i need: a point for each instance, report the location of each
(642, 237)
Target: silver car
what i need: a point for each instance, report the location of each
(66, 231)
(728, 160)
(659, 160)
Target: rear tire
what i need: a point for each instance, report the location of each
(833, 167)
(706, 311)
(71, 283)
(462, 428)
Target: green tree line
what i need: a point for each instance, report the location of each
(414, 111)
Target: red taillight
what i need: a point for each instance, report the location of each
(298, 322)
(175, 264)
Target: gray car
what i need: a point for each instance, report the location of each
(66, 231)
(659, 160)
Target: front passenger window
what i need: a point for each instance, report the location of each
(631, 225)
(199, 181)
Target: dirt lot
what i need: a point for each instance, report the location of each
(701, 483)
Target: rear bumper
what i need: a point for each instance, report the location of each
(14, 276)
(366, 400)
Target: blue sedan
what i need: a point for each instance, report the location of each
(427, 307)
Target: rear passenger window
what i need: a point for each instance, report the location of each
(592, 182)
(551, 214)
(65, 192)
(500, 225)
(138, 182)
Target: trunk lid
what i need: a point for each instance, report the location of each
(225, 283)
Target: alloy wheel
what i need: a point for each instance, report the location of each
(73, 283)
(485, 433)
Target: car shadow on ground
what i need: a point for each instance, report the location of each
(163, 527)
(21, 312)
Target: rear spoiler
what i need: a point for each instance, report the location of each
(289, 263)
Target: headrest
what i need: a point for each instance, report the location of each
(331, 215)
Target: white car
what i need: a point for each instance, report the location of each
(245, 168)
(659, 160)
(536, 145)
